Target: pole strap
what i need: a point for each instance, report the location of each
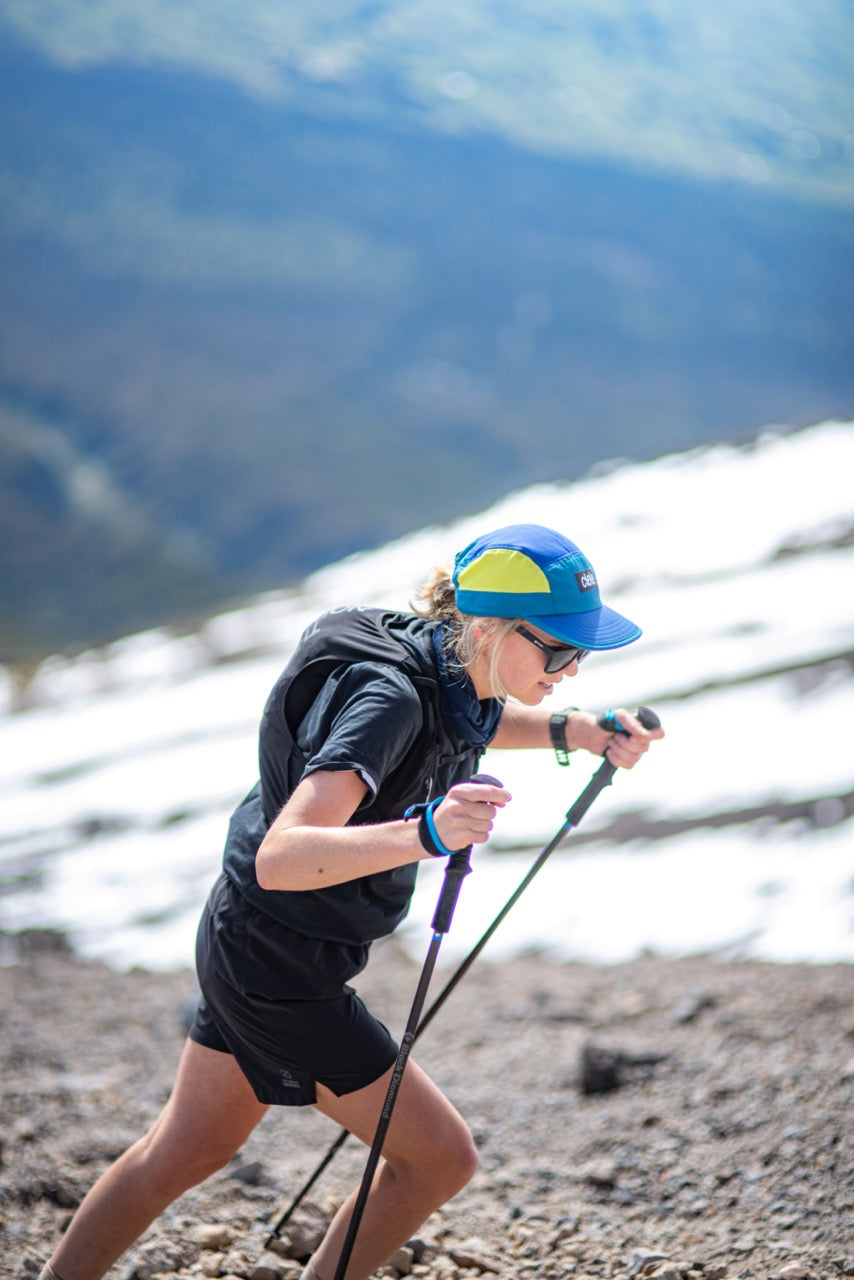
(427, 833)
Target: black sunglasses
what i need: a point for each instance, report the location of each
(558, 656)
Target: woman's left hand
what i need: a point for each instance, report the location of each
(625, 749)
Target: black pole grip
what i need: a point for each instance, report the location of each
(648, 718)
(457, 868)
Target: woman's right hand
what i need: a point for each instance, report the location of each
(467, 812)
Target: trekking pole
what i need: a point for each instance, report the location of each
(456, 869)
(602, 778)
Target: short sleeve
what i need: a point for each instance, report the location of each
(365, 719)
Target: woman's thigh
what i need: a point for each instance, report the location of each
(210, 1112)
(425, 1128)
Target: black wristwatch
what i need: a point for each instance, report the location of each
(557, 733)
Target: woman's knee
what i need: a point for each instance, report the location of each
(176, 1161)
(462, 1161)
(445, 1165)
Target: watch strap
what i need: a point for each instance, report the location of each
(557, 733)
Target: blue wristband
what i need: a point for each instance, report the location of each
(427, 833)
(436, 848)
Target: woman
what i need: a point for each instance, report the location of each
(376, 712)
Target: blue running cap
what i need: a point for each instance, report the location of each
(530, 572)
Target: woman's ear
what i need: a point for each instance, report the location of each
(488, 635)
(485, 632)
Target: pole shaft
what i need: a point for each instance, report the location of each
(373, 1160)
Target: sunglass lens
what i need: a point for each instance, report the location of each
(563, 658)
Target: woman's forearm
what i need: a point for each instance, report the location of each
(311, 857)
(310, 845)
(528, 727)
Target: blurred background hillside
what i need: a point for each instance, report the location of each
(280, 283)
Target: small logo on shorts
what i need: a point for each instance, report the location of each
(288, 1081)
(586, 580)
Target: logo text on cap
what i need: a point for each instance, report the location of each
(586, 580)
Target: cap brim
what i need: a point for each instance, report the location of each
(601, 628)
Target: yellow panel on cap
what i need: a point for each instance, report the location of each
(500, 569)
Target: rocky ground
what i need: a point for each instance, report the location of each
(685, 1120)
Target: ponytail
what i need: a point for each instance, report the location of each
(469, 634)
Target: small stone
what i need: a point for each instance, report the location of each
(158, 1258)
(213, 1235)
(567, 1231)
(600, 1070)
(402, 1261)
(602, 1174)
(667, 1271)
(251, 1173)
(241, 1259)
(422, 1250)
(282, 1245)
(445, 1269)
(270, 1267)
(307, 1231)
(693, 1005)
(643, 1261)
(211, 1263)
(475, 1253)
(794, 1271)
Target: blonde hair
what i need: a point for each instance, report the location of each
(470, 634)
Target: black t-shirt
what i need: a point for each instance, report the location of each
(366, 718)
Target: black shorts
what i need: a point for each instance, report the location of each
(280, 1004)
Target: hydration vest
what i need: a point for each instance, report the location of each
(357, 911)
(401, 640)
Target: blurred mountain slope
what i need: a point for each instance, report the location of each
(730, 92)
(291, 284)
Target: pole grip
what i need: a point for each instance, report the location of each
(457, 868)
(648, 718)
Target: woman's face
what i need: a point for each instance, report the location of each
(520, 668)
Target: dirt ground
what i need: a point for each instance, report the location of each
(685, 1119)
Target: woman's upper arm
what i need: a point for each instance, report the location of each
(326, 798)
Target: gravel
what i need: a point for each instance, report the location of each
(685, 1119)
